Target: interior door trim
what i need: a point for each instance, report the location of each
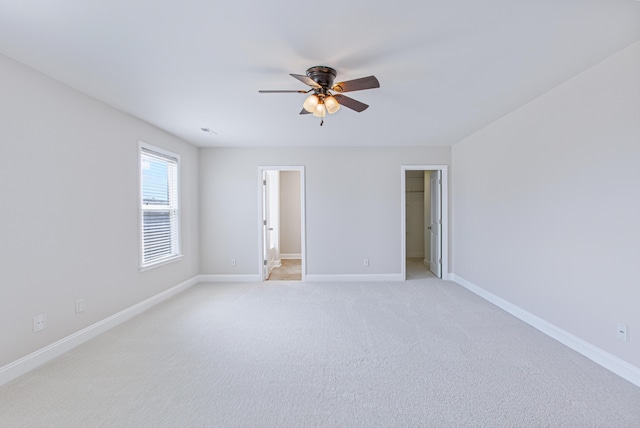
(303, 216)
(445, 215)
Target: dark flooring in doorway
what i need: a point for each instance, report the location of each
(290, 270)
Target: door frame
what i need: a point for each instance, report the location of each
(445, 215)
(303, 227)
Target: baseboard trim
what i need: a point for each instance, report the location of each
(230, 278)
(599, 356)
(31, 361)
(290, 256)
(355, 278)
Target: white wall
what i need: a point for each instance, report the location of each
(547, 206)
(352, 206)
(290, 239)
(69, 217)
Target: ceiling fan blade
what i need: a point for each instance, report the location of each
(368, 82)
(343, 100)
(280, 91)
(304, 112)
(306, 80)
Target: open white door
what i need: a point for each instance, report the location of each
(265, 225)
(271, 221)
(435, 263)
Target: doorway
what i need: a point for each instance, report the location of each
(424, 245)
(282, 223)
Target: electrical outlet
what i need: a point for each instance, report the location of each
(622, 332)
(233, 262)
(80, 306)
(39, 322)
(366, 262)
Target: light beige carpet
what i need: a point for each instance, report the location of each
(421, 353)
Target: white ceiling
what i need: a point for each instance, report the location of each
(446, 68)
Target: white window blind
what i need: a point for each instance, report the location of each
(159, 198)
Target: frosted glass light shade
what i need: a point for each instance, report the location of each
(320, 111)
(311, 103)
(332, 104)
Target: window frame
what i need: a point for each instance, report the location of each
(177, 253)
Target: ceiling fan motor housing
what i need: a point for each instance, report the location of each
(322, 75)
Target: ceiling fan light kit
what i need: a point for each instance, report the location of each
(322, 100)
(320, 110)
(311, 103)
(331, 104)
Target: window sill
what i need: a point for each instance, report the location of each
(161, 262)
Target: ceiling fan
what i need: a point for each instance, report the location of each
(323, 100)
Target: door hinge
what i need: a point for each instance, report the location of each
(440, 261)
(264, 262)
(264, 222)
(264, 182)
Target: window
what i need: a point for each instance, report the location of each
(159, 205)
